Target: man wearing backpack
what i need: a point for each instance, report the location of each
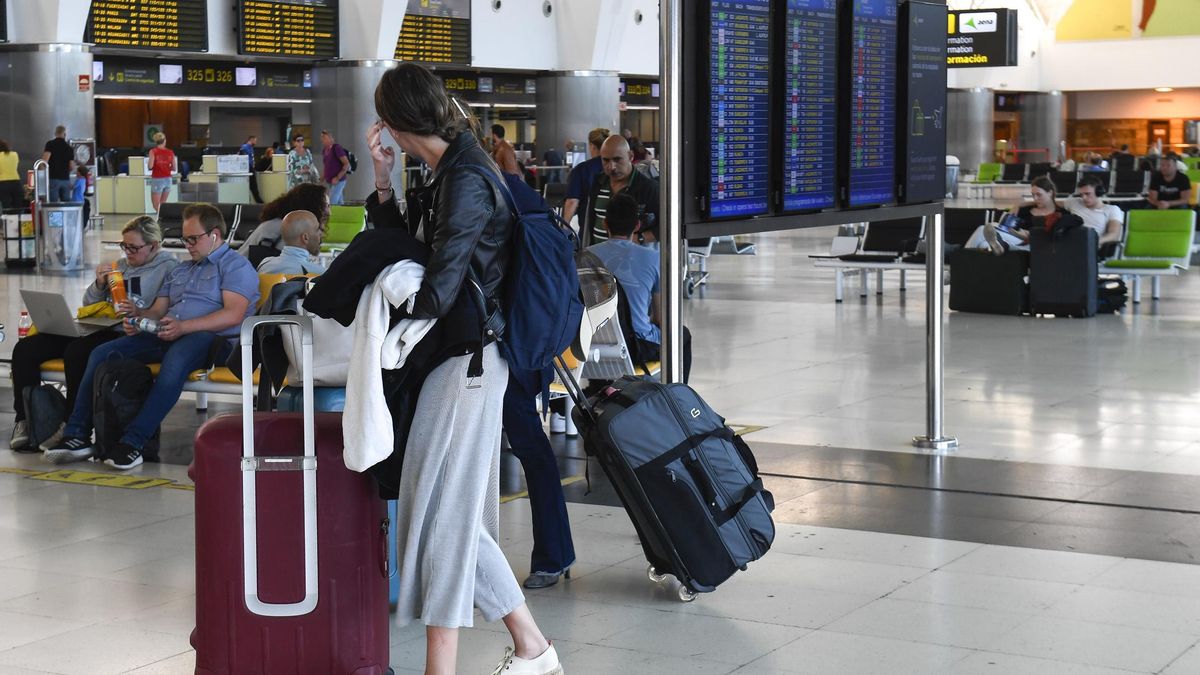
(199, 310)
(337, 166)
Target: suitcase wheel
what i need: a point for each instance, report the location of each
(654, 575)
(685, 594)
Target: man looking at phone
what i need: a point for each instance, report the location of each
(199, 311)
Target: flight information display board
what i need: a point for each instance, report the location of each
(436, 31)
(739, 100)
(922, 157)
(810, 105)
(161, 25)
(300, 28)
(3, 22)
(872, 141)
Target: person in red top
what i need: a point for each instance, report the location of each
(163, 165)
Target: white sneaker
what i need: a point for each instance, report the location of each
(558, 423)
(54, 438)
(546, 664)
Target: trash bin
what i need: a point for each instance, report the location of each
(60, 236)
(951, 177)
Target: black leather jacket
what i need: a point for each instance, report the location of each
(468, 226)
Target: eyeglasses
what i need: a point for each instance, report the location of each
(131, 249)
(193, 239)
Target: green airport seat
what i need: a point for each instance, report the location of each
(345, 222)
(989, 172)
(1156, 243)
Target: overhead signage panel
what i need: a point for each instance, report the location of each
(160, 25)
(981, 39)
(921, 161)
(739, 102)
(293, 28)
(436, 32)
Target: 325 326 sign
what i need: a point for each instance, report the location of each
(981, 39)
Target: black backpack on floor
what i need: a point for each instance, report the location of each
(1111, 295)
(121, 387)
(45, 411)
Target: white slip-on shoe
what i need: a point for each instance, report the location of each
(546, 664)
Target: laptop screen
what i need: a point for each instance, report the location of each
(893, 236)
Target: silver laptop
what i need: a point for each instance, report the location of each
(51, 315)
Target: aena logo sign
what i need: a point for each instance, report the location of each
(977, 22)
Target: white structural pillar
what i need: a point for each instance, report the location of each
(671, 205)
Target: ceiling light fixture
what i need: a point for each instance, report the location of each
(1164, 90)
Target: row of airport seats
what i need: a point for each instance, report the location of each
(1154, 244)
(345, 222)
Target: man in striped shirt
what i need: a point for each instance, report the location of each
(620, 177)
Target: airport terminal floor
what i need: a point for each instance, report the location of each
(1061, 538)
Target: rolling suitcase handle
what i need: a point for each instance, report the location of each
(251, 465)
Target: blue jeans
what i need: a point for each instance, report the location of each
(335, 192)
(60, 190)
(179, 358)
(553, 550)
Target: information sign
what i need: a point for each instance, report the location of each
(981, 39)
(810, 105)
(161, 25)
(300, 28)
(872, 103)
(921, 164)
(739, 97)
(436, 31)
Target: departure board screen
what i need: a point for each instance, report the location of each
(739, 108)
(436, 31)
(301, 28)
(922, 160)
(810, 105)
(161, 25)
(872, 102)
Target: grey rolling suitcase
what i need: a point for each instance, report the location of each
(690, 486)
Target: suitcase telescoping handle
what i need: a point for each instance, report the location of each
(251, 465)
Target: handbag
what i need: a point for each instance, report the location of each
(333, 345)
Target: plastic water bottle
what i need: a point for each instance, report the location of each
(143, 324)
(23, 325)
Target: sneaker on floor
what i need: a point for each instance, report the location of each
(69, 449)
(20, 437)
(54, 439)
(558, 423)
(546, 664)
(127, 457)
(989, 233)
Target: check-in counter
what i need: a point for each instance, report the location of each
(232, 188)
(272, 184)
(126, 194)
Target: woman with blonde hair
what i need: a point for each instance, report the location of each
(144, 268)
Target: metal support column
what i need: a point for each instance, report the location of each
(671, 204)
(934, 439)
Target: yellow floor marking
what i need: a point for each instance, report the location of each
(569, 480)
(103, 479)
(21, 472)
(743, 429)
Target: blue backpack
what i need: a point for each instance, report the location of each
(542, 305)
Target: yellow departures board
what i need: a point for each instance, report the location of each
(161, 25)
(436, 31)
(300, 28)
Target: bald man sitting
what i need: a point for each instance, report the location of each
(302, 234)
(620, 177)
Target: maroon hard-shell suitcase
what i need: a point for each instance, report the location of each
(291, 546)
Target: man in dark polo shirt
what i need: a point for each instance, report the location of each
(1169, 189)
(61, 158)
(620, 177)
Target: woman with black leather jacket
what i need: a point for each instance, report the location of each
(448, 508)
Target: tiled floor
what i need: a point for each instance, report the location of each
(101, 580)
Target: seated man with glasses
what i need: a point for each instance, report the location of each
(198, 311)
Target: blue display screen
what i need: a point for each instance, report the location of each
(739, 108)
(810, 105)
(873, 103)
